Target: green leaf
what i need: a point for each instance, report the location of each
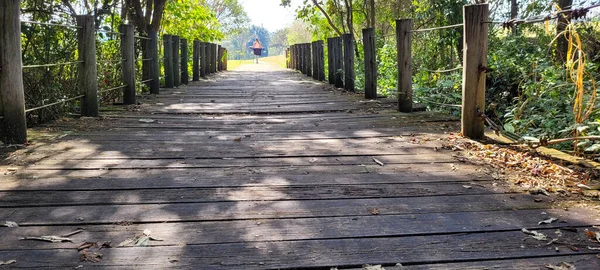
(508, 127)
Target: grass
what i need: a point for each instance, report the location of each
(278, 60)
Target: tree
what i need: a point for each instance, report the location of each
(190, 19)
(230, 14)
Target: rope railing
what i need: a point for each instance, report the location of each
(141, 37)
(147, 81)
(112, 89)
(54, 103)
(111, 61)
(576, 13)
(109, 32)
(51, 24)
(436, 28)
(52, 65)
(441, 70)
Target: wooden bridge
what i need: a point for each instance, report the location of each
(265, 168)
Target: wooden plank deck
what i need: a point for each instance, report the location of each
(263, 168)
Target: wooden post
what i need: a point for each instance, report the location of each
(215, 57)
(13, 125)
(370, 63)
(155, 63)
(128, 63)
(298, 58)
(320, 61)
(203, 61)
(176, 62)
(404, 55)
(168, 58)
(295, 48)
(185, 73)
(309, 63)
(349, 73)
(315, 66)
(287, 58)
(196, 61)
(226, 56)
(302, 50)
(330, 62)
(339, 62)
(87, 80)
(474, 63)
(219, 58)
(211, 52)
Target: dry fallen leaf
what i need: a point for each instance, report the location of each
(238, 139)
(467, 186)
(374, 211)
(88, 256)
(547, 221)
(146, 120)
(535, 235)
(593, 248)
(373, 267)
(561, 266)
(48, 238)
(10, 224)
(8, 262)
(593, 235)
(378, 162)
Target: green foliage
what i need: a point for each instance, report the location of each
(191, 20)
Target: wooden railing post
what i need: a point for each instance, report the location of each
(295, 47)
(349, 73)
(330, 61)
(13, 125)
(299, 57)
(219, 58)
(176, 62)
(203, 60)
(320, 61)
(168, 60)
(370, 63)
(474, 63)
(87, 81)
(339, 62)
(154, 63)
(226, 56)
(315, 66)
(309, 63)
(209, 58)
(128, 63)
(404, 48)
(196, 61)
(185, 74)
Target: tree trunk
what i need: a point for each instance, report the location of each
(562, 22)
(514, 11)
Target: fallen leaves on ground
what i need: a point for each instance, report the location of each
(89, 256)
(374, 211)
(535, 235)
(378, 162)
(561, 266)
(593, 235)
(527, 168)
(8, 262)
(139, 240)
(10, 224)
(548, 221)
(48, 238)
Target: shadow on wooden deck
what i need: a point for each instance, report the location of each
(271, 170)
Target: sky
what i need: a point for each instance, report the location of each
(269, 13)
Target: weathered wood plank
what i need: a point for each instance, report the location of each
(103, 214)
(218, 232)
(243, 193)
(311, 253)
(226, 162)
(217, 177)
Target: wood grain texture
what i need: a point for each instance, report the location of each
(271, 169)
